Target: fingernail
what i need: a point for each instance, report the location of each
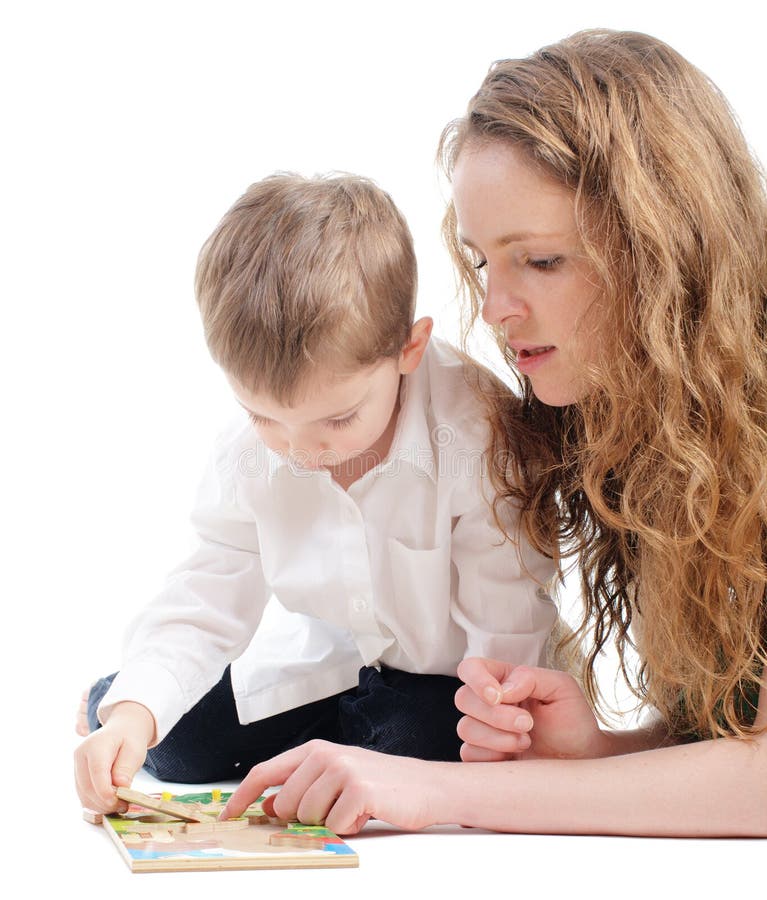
(508, 687)
(492, 695)
(523, 723)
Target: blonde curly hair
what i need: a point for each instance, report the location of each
(657, 479)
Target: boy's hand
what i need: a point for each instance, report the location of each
(523, 712)
(111, 757)
(344, 787)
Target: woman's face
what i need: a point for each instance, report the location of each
(540, 290)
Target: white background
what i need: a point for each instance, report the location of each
(128, 129)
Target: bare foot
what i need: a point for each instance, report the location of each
(81, 721)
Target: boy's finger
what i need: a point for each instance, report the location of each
(484, 677)
(99, 761)
(129, 760)
(83, 780)
(102, 785)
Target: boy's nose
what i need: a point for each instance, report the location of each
(310, 454)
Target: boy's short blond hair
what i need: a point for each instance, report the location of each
(304, 274)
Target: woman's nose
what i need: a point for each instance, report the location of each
(502, 300)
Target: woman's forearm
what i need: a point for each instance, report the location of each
(712, 788)
(635, 740)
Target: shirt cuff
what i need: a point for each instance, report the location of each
(154, 687)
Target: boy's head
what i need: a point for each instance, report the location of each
(307, 293)
(303, 274)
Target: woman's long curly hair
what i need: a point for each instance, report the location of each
(658, 479)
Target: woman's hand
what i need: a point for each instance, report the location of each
(345, 786)
(523, 712)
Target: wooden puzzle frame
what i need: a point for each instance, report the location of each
(162, 833)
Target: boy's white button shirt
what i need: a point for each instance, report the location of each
(406, 569)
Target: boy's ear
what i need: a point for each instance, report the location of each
(412, 353)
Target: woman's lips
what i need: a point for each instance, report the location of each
(532, 358)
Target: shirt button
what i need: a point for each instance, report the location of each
(359, 604)
(542, 594)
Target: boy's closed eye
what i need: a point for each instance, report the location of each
(260, 420)
(344, 422)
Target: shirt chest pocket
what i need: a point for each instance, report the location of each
(421, 586)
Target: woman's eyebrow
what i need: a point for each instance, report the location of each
(512, 237)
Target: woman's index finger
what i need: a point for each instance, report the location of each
(484, 677)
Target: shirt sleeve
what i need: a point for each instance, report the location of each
(176, 650)
(501, 600)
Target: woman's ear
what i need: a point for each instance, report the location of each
(412, 353)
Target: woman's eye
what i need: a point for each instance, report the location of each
(546, 263)
(343, 423)
(481, 265)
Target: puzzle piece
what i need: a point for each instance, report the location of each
(184, 811)
(298, 840)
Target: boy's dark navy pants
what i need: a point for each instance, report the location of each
(389, 711)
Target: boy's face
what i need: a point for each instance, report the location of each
(336, 420)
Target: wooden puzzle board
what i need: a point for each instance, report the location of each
(154, 842)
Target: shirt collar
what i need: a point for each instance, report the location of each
(412, 443)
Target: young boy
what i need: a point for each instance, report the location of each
(349, 556)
